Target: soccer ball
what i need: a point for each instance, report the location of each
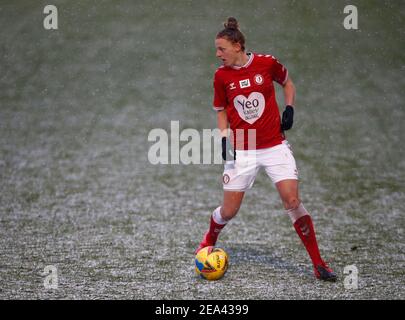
(211, 263)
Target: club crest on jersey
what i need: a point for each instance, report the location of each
(259, 79)
(244, 83)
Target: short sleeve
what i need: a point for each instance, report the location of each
(278, 72)
(220, 100)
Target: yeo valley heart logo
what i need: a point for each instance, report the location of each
(250, 109)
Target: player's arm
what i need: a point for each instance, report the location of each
(220, 102)
(227, 152)
(280, 75)
(222, 120)
(289, 92)
(289, 99)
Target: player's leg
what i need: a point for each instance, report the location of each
(236, 180)
(230, 206)
(280, 165)
(288, 190)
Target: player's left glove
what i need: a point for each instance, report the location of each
(287, 119)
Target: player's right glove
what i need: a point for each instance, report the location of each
(227, 151)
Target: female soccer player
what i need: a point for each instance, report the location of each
(244, 98)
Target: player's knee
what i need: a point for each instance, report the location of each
(292, 203)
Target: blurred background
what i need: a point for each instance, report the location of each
(77, 190)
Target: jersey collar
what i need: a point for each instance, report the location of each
(247, 64)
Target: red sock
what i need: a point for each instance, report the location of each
(214, 230)
(305, 230)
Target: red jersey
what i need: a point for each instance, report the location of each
(248, 96)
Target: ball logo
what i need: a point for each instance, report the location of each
(250, 109)
(259, 79)
(226, 178)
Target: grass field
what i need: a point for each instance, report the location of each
(77, 190)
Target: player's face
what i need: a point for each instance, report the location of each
(227, 51)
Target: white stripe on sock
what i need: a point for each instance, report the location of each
(216, 215)
(295, 214)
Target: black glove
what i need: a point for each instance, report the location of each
(225, 150)
(287, 119)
